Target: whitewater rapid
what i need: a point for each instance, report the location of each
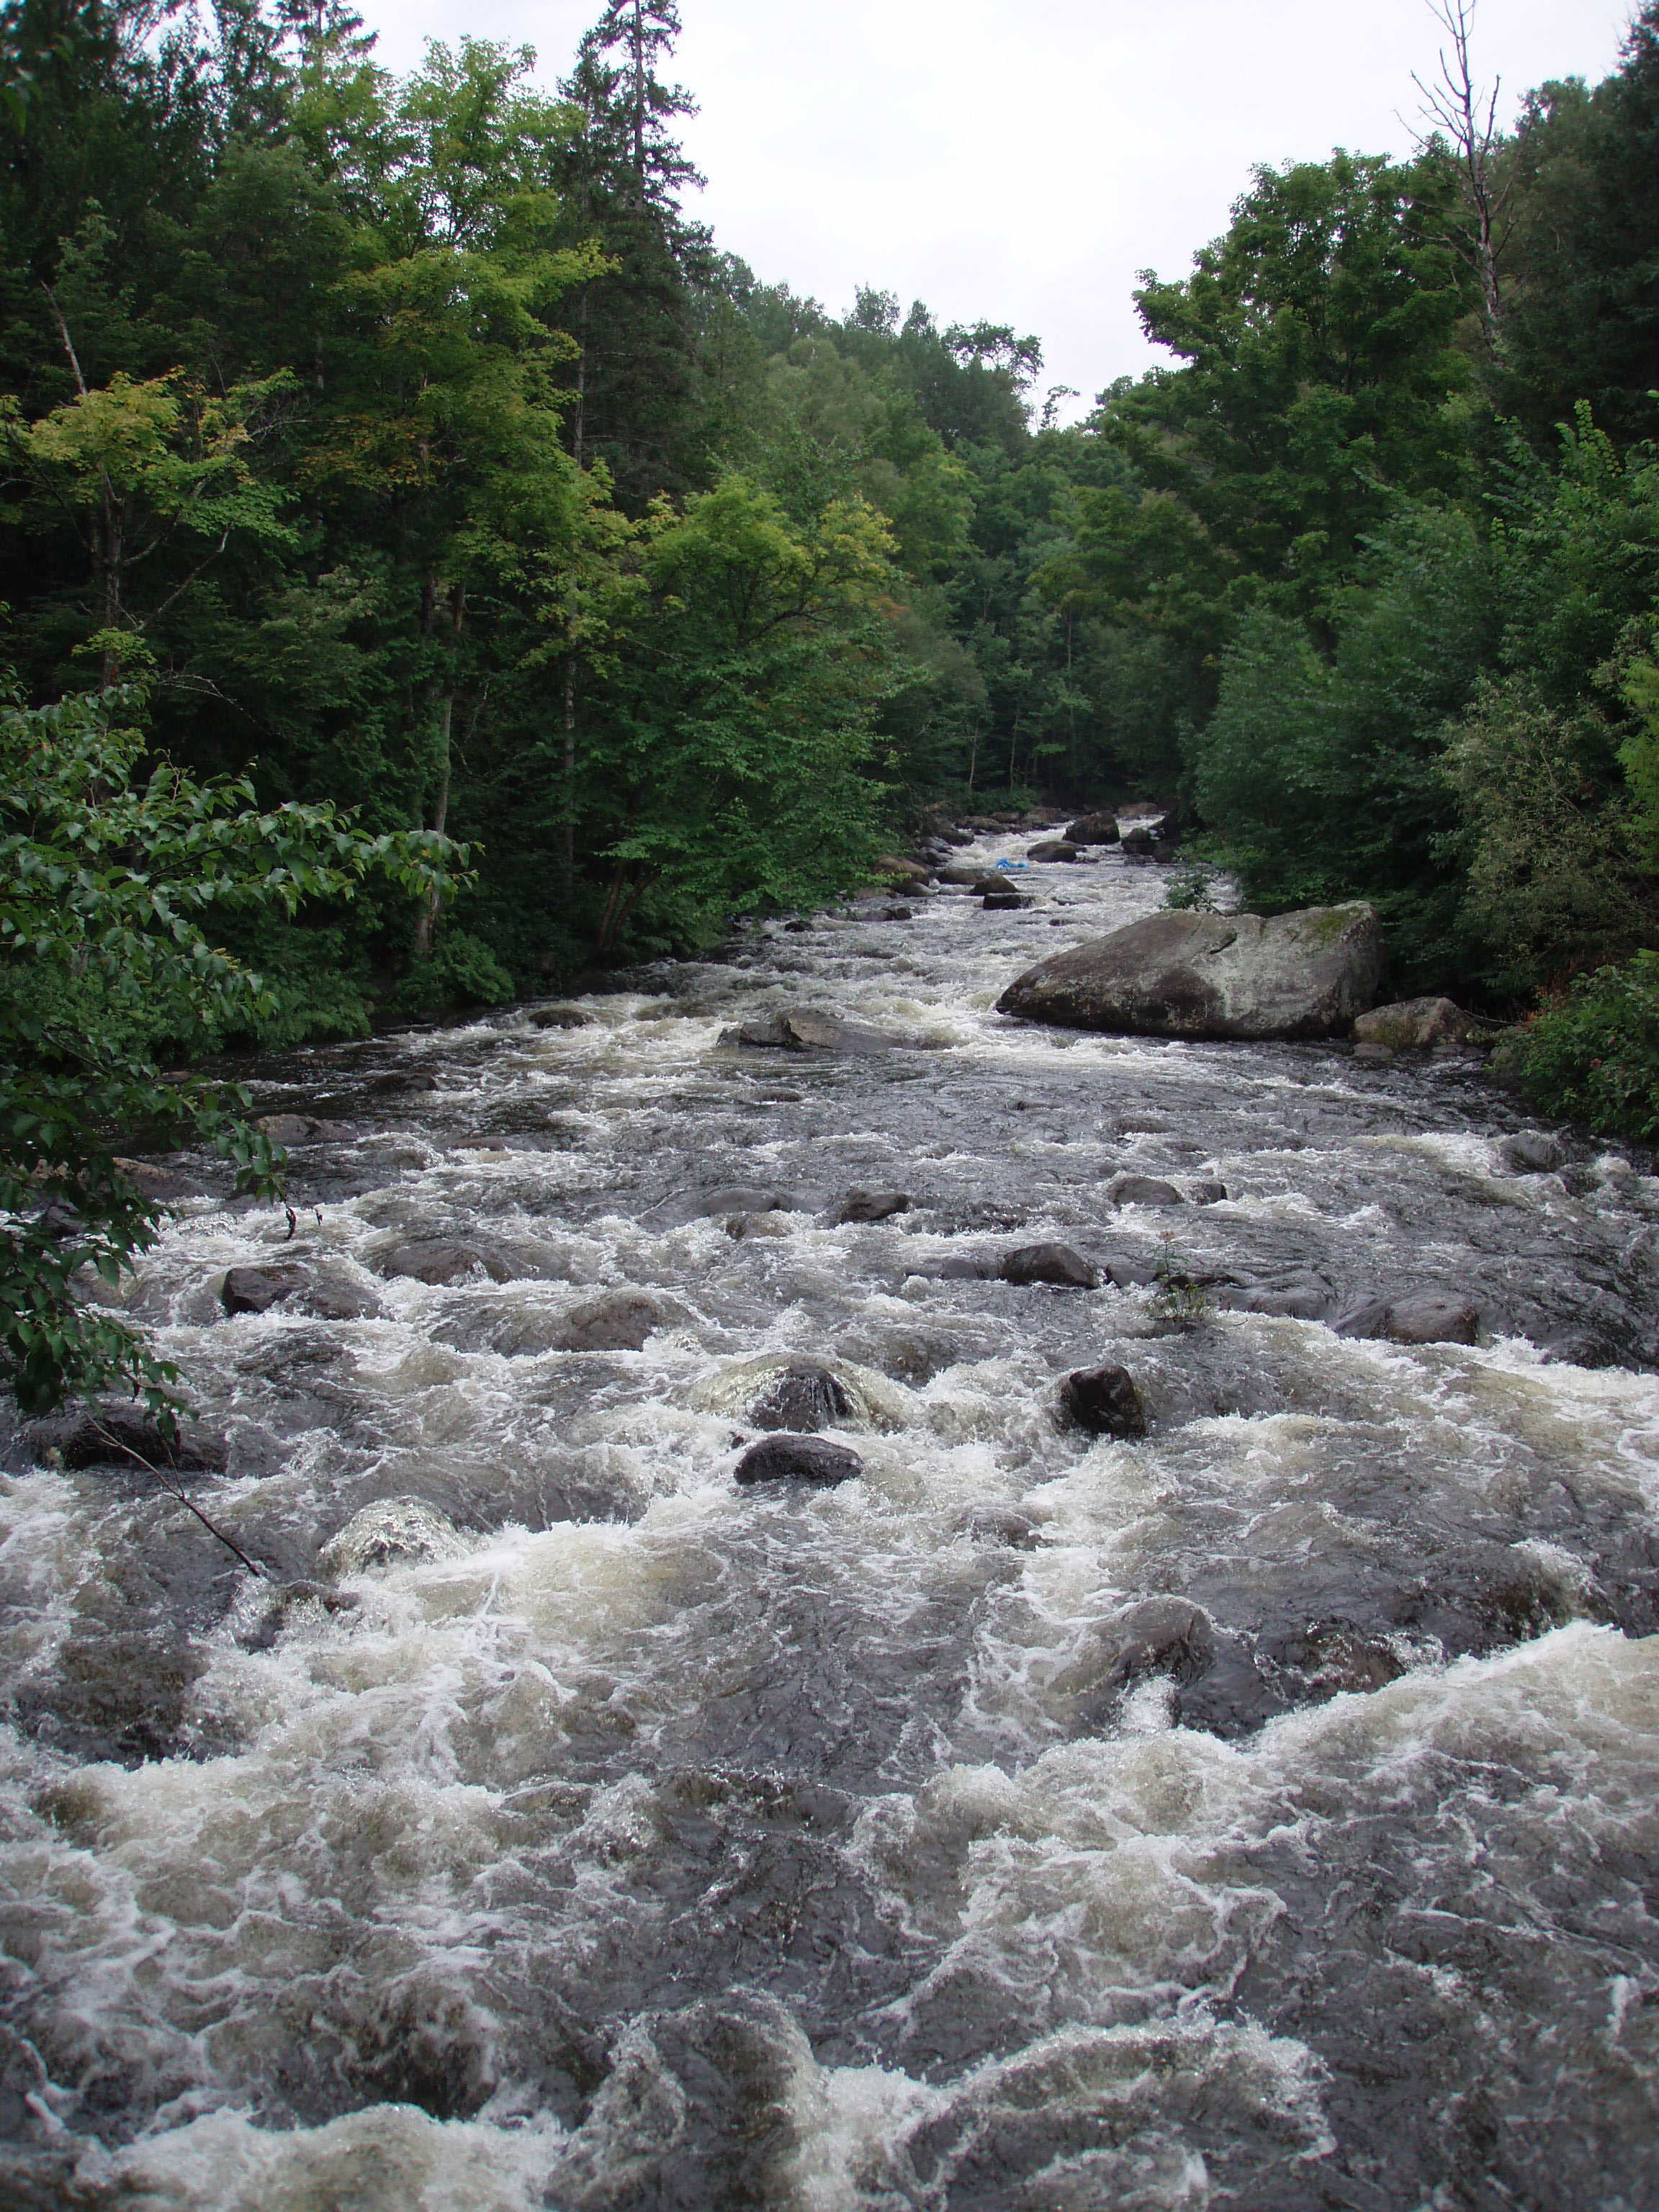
(655, 1843)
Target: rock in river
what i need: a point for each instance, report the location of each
(1050, 1263)
(617, 1321)
(1104, 1400)
(872, 1206)
(1182, 974)
(1142, 1190)
(803, 1396)
(1430, 1318)
(392, 1532)
(805, 1031)
(1415, 1026)
(1093, 830)
(799, 1459)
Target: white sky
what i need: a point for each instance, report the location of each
(1019, 164)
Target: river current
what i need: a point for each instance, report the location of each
(1260, 1813)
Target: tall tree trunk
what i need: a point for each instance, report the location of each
(567, 827)
(427, 925)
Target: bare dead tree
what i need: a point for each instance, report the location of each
(1467, 114)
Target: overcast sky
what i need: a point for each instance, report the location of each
(1018, 163)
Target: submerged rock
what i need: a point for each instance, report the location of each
(1050, 1263)
(1162, 1636)
(440, 1261)
(1142, 1190)
(1181, 974)
(1106, 1401)
(617, 1321)
(788, 1458)
(392, 1532)
(872, 1206)
(104, 1435)
(289, 1129)
(746, 1198)
(399, 1082)
(803, 1397)
(1001, 901)
(1430, 1318)
(1302, 1295)
(1531, 1151)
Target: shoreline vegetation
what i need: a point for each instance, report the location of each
(431, 569)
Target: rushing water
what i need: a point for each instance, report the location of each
(1261, 1814)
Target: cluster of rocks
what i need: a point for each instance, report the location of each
(1141, 833)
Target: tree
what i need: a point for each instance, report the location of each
(111, 887)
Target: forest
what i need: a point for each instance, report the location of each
(432, 569)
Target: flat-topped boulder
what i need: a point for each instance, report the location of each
(1178, 973)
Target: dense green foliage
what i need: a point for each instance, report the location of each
(418, 455)
(113, 891)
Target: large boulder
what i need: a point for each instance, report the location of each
(1093, 830)
(1052, 848)
(1183, 974)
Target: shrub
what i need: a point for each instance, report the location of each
(1594, 1055)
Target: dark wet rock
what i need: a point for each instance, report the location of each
(1531, 1151)
(1050, 1263)
(1141, 842)
(745, 1198)
(440, 1261)
(289, 1128)
(898, 913)
(1181, 974)
(798, 929)
(391, 1532)
(103, 1435)
(1161, 1636)
(966, 1267)
(1429, 1318)
(1051, 849)
(1106, 1401)
(1208, 1192)
(1093, 830)
(803, 1398)
(806, 1032)
(402, 1083)
(617, 1320)
(163, 1186)
(773, 1222)
(1416, 1025)
(1142, 1190)
(788, 1458)
(966, 875)
(999, 1524)
(872, 1206)
(559, 1017)
(256, 1290)
(1301, 1295)
(1000, 902)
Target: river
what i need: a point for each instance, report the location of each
(1260, 1813)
